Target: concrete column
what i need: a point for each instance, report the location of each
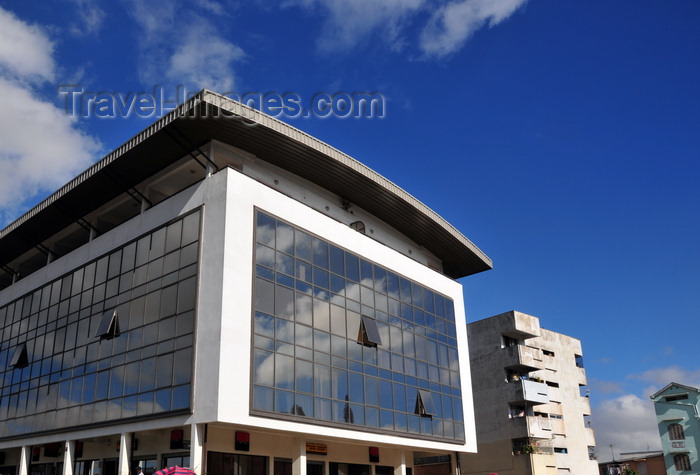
(68, 459)
(197, 448)
(454, 463)
(124, 452)
(400, 464)
(299, 462)
(24, 456)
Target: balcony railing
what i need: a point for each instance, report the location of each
(527, 391)
(521, 355)
(533, 426)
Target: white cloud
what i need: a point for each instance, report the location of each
(352, 21)
(661, 377)
(25, 50)
(452, 24)
(184, 46)
(91, 17)
(40, 146)
(204, 59)
(628, 423)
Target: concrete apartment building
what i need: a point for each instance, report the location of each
(530, 399)
(230, 294)
(678, 419)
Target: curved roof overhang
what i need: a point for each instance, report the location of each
(209, 116)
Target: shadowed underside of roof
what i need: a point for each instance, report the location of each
(209, 116)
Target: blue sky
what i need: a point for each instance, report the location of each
(561, 137)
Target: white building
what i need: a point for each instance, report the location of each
(232, 295)
(532, 406)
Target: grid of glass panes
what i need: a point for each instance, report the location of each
(74, 377)
(310, 297)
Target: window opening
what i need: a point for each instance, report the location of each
(19, 357)
(681, 462)
(109, 325)
(508, 341)
(369, 333)
(675, 432)
(425, 407)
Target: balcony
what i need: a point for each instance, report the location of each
(532, 426)
(678, 447)
(527, 391)
(521, 356)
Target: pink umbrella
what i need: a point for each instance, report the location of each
(175, 471)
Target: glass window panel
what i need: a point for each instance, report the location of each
(303, 271)
(385, 394)
(263, 369)
(157, 244)
(321, 278)
(352, 291)
(304, 405)
(304, 376)
(182, 366)
(264, 296)
(131, 378)
(322, 409)
(338, 346)
(190, 228)
(173, 234)
(128, 257)
(264, 256)
(171, 262)
(284, 263)
(264, 324)
(337, 258)
(387, 419)
(189, 255)
(352, 267)
(164, 370)
(168, 301)
(353, 324)
(322, 380)
(284, 401)
(284, 330)
(339, 384)
(285, 238)
(303, 313)
(439, 305)
(116, 381)
(320, 253)
(152, 310)
(284, 302)
(284, 372)
(303, 336)
(321, 315)
(356, 389)
(181, 397)
(322, 341)
(371, 388)
(338, 324)
(115, 260)
(302, 245)
(186, 294)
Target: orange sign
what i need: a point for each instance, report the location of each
(316, 449)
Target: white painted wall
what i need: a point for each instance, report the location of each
(243, 195)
